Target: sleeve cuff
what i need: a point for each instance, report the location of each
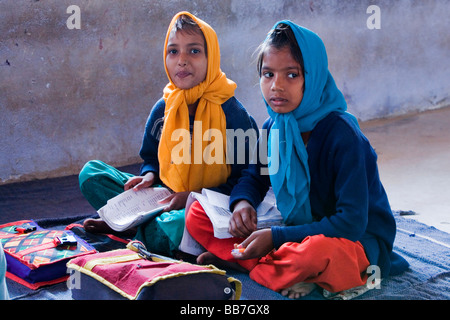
(278, 237)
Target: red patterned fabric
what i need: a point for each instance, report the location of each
(38, 247)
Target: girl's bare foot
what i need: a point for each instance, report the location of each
(100, 226)
(209, 258)
(298, 290)
(96, 226)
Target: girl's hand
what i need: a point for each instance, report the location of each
(140, 182)
(257, 245)
(175, 201)
(243, 221)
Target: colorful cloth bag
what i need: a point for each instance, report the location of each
(124, 274)
(35, 256)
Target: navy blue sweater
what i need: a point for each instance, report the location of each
(238, 121)
(347, 197)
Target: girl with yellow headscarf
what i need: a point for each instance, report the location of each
(185, 142)
(208, 96)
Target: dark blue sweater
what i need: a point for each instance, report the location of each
(347, 197)
(238, 123)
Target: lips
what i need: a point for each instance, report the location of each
(182, 74)
(278, 101)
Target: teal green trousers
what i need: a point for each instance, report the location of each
(100, 182)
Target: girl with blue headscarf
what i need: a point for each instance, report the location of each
(323, 171)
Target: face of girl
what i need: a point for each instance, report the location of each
(281, 81)
(186, 59)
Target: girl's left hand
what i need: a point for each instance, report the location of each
(257, 245)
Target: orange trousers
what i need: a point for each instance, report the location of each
(334, 264)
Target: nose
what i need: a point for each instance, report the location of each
(182, 60)
(277, 83)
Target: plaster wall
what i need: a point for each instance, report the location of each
(71, 95)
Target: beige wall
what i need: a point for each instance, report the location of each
(71, 95)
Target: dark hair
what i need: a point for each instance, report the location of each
(280, 37)
(187, 24)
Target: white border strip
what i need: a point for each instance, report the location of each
(424, 237)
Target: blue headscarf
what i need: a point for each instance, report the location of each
(290, 176)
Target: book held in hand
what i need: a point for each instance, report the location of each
(216, 206)
(132, 208)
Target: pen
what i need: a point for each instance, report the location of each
(237, 249)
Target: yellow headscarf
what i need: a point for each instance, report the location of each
(211, 93)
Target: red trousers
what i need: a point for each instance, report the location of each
(335, 264)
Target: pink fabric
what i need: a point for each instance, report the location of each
(131, 275)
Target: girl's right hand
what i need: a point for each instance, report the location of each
(140, 182)
(257, 245)
(243, 221)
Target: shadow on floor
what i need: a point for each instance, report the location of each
(49, 198)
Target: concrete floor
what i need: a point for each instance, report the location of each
(414, 163)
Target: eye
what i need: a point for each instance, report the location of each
(195, 51)
(267, 74)
(292, 75)
(173, 51)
